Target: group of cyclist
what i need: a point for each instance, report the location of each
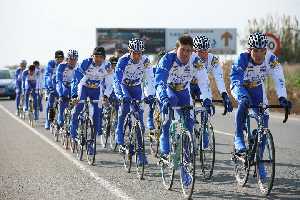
(179, 78)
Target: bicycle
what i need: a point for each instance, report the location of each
(52, 116)
(154, 134)
(31, 110)
(38, 99)
(182, 153)
(260, 151)
(21, 112)
(64, 130)
(205, 143)
(86, 140)
(133, 130)
(109, 122)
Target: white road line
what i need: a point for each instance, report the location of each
(224, 133)
(104, 183)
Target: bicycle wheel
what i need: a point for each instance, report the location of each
(188, 164)
(207, 151)
(113, 125)
(154, 142)
(67, 140)
(242, 162)
(74, 146)
(106, 128)
(81, 140)
(90, 142)
(65, 135)
(155, 134)
(128, 152)
(265, 161)
(62, 136)
(31, 118)
(169, 164)
(20, 108)
(54, 131)
(139, 150)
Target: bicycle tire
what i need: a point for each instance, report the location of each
(207, 155)
(188, 161)
(128, 141)
(90, 142)
(242, 162)
(266, 185)
(139, 169)
(81, 140)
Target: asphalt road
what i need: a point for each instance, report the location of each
(33, 166)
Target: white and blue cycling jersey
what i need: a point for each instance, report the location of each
(91, 76)
(64, 77)
(128, 73)
(246, 74)
(171, 72)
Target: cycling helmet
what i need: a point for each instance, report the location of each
(136, 44)
(113, 60)
(23, 62)
(201, 43)
(257, 40)
(99, 51)
(72, 54)
(59, 54)
(36, 62)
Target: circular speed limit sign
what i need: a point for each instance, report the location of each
(273, 43)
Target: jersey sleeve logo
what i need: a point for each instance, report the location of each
(274, 63)
(215, 61)
(199, 64)
(147, 64)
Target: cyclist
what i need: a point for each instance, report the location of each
(30, 78)
(150, 99)
(18, 77)
(248, 73)
(112, 98)
(36, 63)
(213, 67)
(64, 77)
(87, 82)
(130, 71)
(211, 63)
(50, 83)
(172, 77)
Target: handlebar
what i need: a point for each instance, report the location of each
(213, 101)
(170, 114)
(262, 108)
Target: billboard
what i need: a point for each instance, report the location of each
(223, 40)
(117, 38)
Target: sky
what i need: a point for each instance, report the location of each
(35, 29)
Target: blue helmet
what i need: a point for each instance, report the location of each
(136, 44)
(257, 40)
(72, 54)
(201, 43)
